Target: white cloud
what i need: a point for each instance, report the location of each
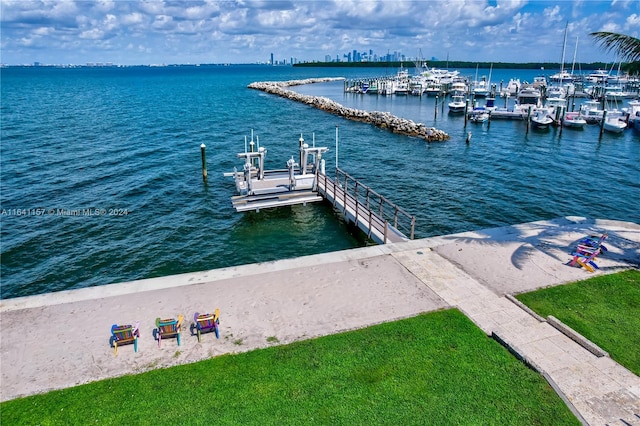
(228, 31)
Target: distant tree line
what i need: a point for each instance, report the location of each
(458, 64)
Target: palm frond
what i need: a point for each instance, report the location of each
(626, 47)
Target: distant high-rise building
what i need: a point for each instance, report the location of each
(272, 63)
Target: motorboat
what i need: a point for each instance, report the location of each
(457, 104)
(529, 96)
(574, 120)
(634, 114)
(479, 115)
(591, 111)
(458, 87)
(512, 88)
(541, 120)
(556, 92)
(613, 122)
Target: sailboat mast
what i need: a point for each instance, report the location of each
(573, 66)
(564, 46)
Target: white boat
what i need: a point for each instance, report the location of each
(574, 120)
(459, 87)
(481, 88)
(400, 82)
(457, 104)
(554, 106)
(530, 96)
(598, 76)
(479, 115)
(613, 122)
(541, 120)
(556, 92)
(512, 88)
(634, 114)
(591, 111)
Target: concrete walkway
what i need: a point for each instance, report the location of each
(318, 295)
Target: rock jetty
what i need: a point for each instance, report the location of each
(383, 120)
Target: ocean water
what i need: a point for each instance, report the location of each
(100, 170)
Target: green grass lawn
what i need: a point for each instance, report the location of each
(604, 309)
(433, 369)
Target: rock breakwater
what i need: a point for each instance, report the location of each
(383, 120)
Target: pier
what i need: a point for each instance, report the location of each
(373, 214)
(306, 181)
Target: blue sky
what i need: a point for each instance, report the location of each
(246, 31)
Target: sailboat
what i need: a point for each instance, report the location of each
(481, 88)
(560, 81)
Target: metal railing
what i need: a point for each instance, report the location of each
(362, 200)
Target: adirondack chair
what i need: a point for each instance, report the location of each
(203, 323)
(124, 334)
(168, 328)
(586, 252)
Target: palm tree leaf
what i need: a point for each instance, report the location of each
(626, 47)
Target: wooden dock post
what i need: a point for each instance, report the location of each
(435, 112)
(604, 117)
(528, 120)
(466, 112)
(203, 154)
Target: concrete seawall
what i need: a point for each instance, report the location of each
(384, 120)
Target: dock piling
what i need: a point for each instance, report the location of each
(203, 154)
(604, 117)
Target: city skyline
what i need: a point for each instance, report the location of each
(250, 31)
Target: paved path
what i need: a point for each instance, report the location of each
(602, 391)
(318, 295)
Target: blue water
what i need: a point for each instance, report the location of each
(101, 172)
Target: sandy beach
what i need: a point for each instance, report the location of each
(58, 340)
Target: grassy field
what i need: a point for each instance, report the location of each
(604, 309)
(433, 369)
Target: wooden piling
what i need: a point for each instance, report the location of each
(466, 112)
(435, 112)
(604, 117)
(203, 154)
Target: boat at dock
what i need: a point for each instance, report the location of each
(457, 104)
(541, 120)
(574, 120)
(614, 122)
(479, 115)
(591, 111)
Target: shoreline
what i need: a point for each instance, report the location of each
(288, 299)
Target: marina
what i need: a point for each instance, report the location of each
(541, 103)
